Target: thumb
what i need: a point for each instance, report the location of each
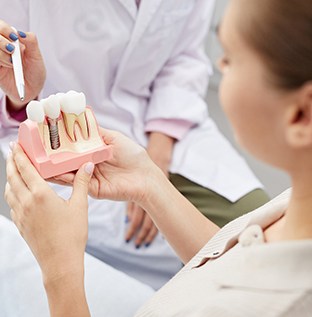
(81, 182)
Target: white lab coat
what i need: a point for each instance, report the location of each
(135, 67)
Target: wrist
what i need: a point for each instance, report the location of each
(56, 279)
(66, 295)
(159, 140)
(57, 268)
(156, 183)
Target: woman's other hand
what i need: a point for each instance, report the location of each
(56, 230)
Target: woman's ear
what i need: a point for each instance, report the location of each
(299, 118)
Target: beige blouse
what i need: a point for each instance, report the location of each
(236, 274)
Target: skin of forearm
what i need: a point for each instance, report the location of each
(66, 296)
(65, 289)
(184, 227)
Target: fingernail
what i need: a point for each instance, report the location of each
(22, 34)
(126, 219)
(89, 168)
(147, 244)
(138, 246)
(128, 240)
(10, 47)
(13, 36)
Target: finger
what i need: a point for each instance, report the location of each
(31, 43)
(136, 222)
(7, 38)
(144, 230)
(15, 180)
(5, 59)
(13, 215)
(11, 199)
(151, 236)
(109, 136)
(64, 179)
(15, 218)
(130, 210)
(22, 35)
(6, 46)
(27, 171)
(58, 182)
(7, 31)
(5, 65)
(81, 184)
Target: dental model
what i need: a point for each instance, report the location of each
(61, 134)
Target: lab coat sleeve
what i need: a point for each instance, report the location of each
(15, 13)
(179, 89)
(172, 127)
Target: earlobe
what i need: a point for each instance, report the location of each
(299, 123)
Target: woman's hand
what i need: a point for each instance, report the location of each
(141, 226)
(127, 176)
(56, 230)
(33, 65)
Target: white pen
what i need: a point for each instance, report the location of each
(18, 69)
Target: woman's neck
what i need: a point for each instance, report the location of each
(296, 224)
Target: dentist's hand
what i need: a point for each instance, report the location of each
(33, 65)
(56, 230)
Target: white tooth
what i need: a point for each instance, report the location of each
(73, 106)
(35, 111)
(69, 120)
(73, 102)
(81, 119)
(60, 95)
(52, 107)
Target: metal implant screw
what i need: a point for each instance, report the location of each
(54, 134)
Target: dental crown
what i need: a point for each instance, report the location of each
(73, 102)
(35, 111)
(73, 105)
(52, 107)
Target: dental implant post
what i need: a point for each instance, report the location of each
(54, 134)
(52, 110)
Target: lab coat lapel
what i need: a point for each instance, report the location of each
(130, 6)
(146, 12)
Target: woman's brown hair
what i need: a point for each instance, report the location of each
(281, 32)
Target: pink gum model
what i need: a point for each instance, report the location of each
(34, 139)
